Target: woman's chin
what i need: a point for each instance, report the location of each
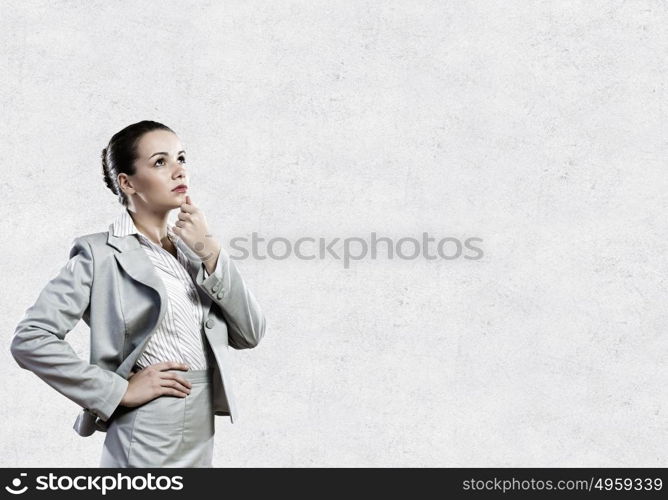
(179, 198)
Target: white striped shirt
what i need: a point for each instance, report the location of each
(179, 337)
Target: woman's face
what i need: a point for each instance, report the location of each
(159, 168)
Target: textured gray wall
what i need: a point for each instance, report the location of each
(536, 126)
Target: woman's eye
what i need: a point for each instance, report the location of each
(182, 158)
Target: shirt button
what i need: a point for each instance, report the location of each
(220, 294)
(215, 288)
(209, 323)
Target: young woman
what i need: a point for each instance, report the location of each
(163, 303)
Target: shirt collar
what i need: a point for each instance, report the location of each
(123, 225)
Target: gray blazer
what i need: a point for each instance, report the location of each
(110, 282)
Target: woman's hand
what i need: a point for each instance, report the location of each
(153, 381)
(193, 229)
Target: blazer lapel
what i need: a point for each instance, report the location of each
(134, 261)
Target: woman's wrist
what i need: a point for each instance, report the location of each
(211, 259)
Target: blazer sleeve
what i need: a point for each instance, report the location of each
(227, 289)
(39, 343)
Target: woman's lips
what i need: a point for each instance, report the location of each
(180, 190)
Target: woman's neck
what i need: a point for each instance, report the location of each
(152, 225)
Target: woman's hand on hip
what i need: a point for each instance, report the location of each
(154, 381)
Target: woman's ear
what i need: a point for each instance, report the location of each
(125, 184)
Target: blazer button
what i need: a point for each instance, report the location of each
(214, 288)
(220, 294)
(209, 323)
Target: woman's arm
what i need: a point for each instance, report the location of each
(39, 343)
(225, 286)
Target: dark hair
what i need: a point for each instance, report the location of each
(120, 154)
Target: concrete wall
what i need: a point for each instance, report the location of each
(534, 126)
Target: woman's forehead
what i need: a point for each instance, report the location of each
(158, 141)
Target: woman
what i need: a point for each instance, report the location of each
(163, 303)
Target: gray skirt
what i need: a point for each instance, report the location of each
(168, 431)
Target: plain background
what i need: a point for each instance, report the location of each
(537, 126)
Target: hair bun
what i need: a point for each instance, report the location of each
(106, 174)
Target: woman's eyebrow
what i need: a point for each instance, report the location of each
(163, 153)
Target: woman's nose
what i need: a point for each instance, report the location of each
(180, 170)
